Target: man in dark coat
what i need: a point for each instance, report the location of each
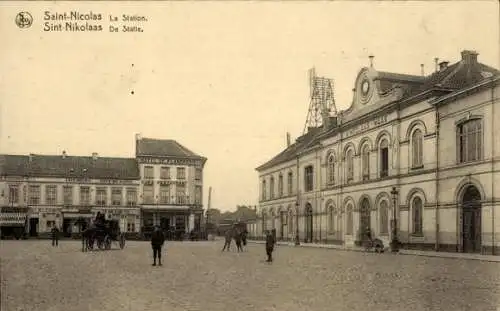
(157, 240)
(54, 232)
(270, 241)
(227, 239)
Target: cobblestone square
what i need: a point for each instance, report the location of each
(197, 276)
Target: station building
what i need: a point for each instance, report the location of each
(415, 152)
(38, 192)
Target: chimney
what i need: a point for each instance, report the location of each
(288, 140)
(326, 119)
(469, 57)
(436, 60)
(422, 70)
(64, 154)
(94, 155)
(371, 57)
(443, 65)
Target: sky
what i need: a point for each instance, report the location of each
(225, 79)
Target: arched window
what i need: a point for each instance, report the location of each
(264, 196)
(280, 185)
(365, 162)
(469, 141)
(271, 190)
(417, 148)
(384, 158)
(349, 159)
(331, 169)
(331, 219)
(384, 217)
(417, 215)
(290, 183)
(349, 220)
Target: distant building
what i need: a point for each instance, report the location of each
(171, 184)
(431, 137)
(38, 192)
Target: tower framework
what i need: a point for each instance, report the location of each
(322, 102)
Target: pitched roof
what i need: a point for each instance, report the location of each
(302, 143)
(163, 148)
(69, 167)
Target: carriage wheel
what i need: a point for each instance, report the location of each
(107, 242)
(122, 241)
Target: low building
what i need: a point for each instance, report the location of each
(58, 190)
(417, 154)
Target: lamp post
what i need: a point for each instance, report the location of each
(297, 239)
(394, 240)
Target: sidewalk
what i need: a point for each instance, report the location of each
(489, 258)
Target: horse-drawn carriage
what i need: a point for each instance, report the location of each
(103, 234)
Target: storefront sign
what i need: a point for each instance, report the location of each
(188, 162)
(12, 218)
(368, 125)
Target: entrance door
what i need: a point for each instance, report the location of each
(282, 224)
(309, 224)
(33, 227)
(165, 223)
(364, 218)
(471, 220)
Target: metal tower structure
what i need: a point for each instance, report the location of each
(322, 102)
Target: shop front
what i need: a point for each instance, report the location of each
(175, 222)
(43, 219)
(127, 217)
(75, 221)
(13, 222)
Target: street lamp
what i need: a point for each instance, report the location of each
(297, 240)
(394, 241)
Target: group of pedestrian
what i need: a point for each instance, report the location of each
(239, 236)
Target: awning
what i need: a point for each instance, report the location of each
(12, 219)
(77, 215)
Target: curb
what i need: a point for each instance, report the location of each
(490, 258)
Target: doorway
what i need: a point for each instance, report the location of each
(309, 224)
(471, 220)
(33, 227)
(364, 219)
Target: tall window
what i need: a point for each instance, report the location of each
(148, 193)
(417, 216)
(331, 169)
(264, 195)
(384, 158)
(84, 195)
(148, 172)
(384, 217)
(349, 159)
(469, 141)
(34, 194)
(198, 174)
(116, 196)
(13, 194)
(349, 220)
(180, 191)
(165, 194)
(280, 186)
(290, 221)
(165, 172)
(131, 197)
(309, 178)
(197, 195)
(51, 194)
(68, 195)
(331, 219)
(365, 161)
(181, 173)
(101, 196)
(290, 183)
(417, 148)
(131, 223)
(271, 190)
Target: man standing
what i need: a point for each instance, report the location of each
(55, 236)
(157, 240)
(228, 237)
(270, 241)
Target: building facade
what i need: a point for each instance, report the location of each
(171, 185)
(415, 152)
(38, 192)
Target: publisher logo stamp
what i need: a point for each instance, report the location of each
(24, 20)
